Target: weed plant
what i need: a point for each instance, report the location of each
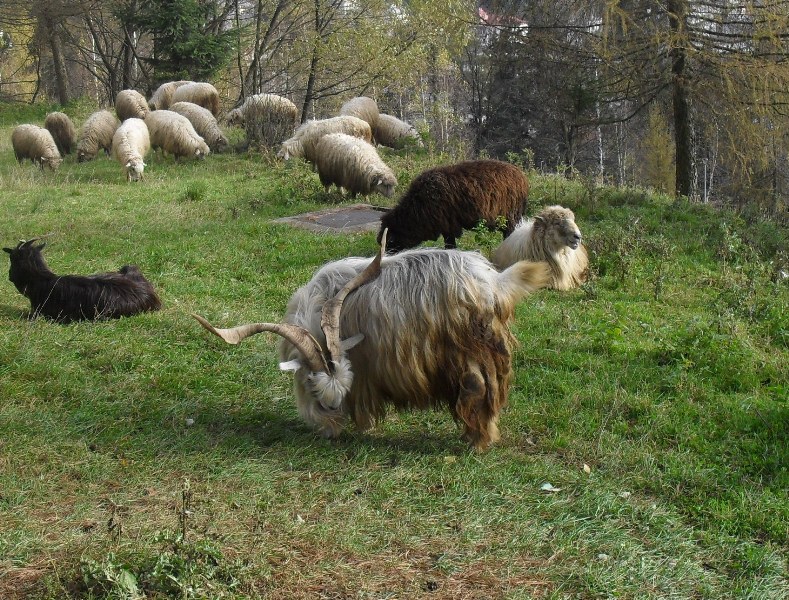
(142, 458)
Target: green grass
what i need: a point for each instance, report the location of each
(666, 376)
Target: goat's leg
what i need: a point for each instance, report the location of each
(477, 408)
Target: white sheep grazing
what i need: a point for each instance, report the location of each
(62, 130)
(353, 164)
(204, 122)
(268, 118)
(130, 103)
(552, 236)
(162, 98)
(304, 140)
(174, 133)
(37, 144)
(391, 131)
(96, 134)
(362, 107)
(265, 104)
(130, 144)
(200, 93)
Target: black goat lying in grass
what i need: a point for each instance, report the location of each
(67, 298)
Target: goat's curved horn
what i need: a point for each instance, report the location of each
(299, 337)
(24, 243)
(330, 317)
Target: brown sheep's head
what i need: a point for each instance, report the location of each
(558, 228)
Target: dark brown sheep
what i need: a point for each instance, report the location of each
(446, 200)
(67, 298)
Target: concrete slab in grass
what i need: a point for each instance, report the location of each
(348, 219)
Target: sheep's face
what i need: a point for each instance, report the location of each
(235, 117)
(385, 186)
(561, 231)
(134, 170)
(51, 163)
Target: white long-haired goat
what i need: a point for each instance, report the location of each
(552, 236)
(424, 328)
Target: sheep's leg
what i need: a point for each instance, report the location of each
(449, 242)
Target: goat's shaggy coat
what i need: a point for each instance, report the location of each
(204, 122)
(432, 330)
(162, 98)
(37, 144)
(96, 134)
(552, 236)
(130, 104)
(306, 137)
(363, 108)
(174, 133)
(63, 131)
(130, 144)
(391, 131)
(68, 298)
(200, 93)
(446, 200)
(353, 164)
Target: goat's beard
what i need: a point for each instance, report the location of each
(320, 397)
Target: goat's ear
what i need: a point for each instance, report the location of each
(350, 342)
(8, 250)
(291, 365)
(41, 246)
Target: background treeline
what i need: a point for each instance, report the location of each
(686, 97)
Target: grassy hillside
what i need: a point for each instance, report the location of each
(143, 458)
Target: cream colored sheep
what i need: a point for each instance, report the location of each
(174, 133)
(268, 118)
(37, 144)
(130, 103)
(353, 164)
(200, 93)
(391, 131)
(362, 107)
(303, 142)
(62, 130)
(552, 236)
(162, 98)
(204, 122)
(130, 144)
(96, 134)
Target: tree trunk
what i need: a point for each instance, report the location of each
(682, 128)
(59, 63)
(313, 64)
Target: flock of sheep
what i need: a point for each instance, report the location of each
(412, 328)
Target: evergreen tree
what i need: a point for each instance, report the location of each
(188, 39)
